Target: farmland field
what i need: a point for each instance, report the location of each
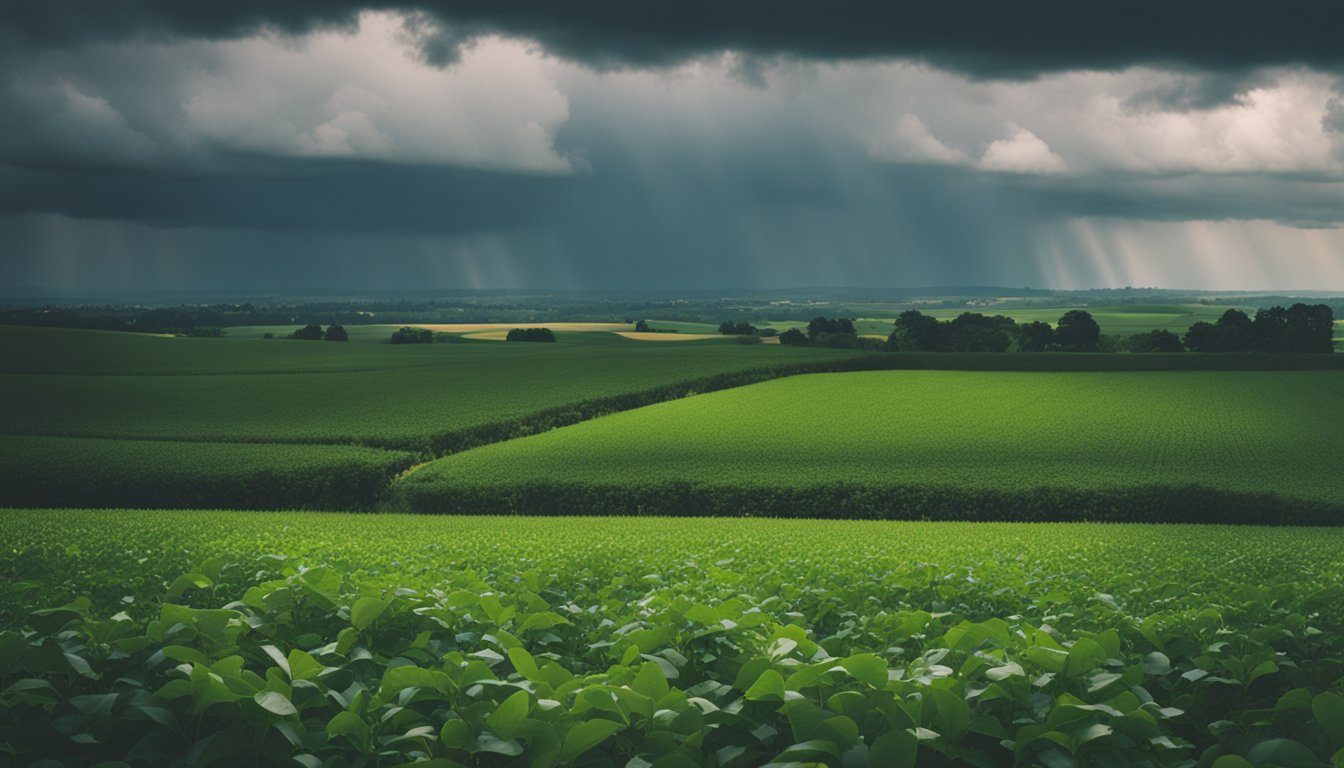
(163, 408)
(517, 641)
(1201, 444)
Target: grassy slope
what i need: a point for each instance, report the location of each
(1003, 433)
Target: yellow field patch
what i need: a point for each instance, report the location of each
(666, 336)
(488, 335)
(482, 327)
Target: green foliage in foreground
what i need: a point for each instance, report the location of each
(1205, 446)
(382, 640)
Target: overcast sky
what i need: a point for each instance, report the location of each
(333, 144)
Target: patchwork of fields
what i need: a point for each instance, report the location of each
(283, 638)
(164, 409)
(328, 638)
(1204, 445)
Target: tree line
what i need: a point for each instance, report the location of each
(1300, 328)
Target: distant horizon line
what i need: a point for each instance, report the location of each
(38, 291)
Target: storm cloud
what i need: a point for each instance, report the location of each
(983, 37)
(593, 145)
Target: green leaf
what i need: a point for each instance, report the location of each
(349, 725)
(187, 581)
(1328, 709)
(894, 749)
(868, 668)
(276, 703)
(365, 611)
(770, 685)
(589, 734)
(650, 681)
(505, 720)
(542, 620)
(1282, 753)
(455, 734)
(1084, 656)
(524, 663)
(1231, 761)
(1156, 663)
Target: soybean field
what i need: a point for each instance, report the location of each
(328, 639)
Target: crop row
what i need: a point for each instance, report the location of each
(693, 642)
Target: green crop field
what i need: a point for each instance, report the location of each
(165, 408)
(325, 639)
(1198, 445)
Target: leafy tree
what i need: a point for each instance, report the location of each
(310, 332)
(1202, 337)
(642, 326)
(1077, 332)
(917, 332)
(530, 334)
(1312, 328)
(793, 337)
(1157, 340)
(973, 332)
(336, 333)
(838, 326)
(409, 335)
(741, 328)
(1235, 332)
(1035, 336)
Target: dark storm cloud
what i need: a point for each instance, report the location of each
(1193, 92)
(982, 37)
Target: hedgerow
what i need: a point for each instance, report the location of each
(689, 642)
(841, 501)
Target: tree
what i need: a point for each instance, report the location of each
(310, 332)
(336, 333)
(838, 326)
(1311, 328)
(642, 326)
(917, 332)
(409, 335)
(1202, 337)
(740, 328)
(1077, 332)
(1158, 340)
(793, 337)
(973, 332)
(1035, 336)
(1235, 332)
(530, 334)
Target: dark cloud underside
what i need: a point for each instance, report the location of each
(982, 37)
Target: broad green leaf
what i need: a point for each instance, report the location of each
(770, 685)
(586, 735)
(505, 720)
(365, 611)
(276, 703)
